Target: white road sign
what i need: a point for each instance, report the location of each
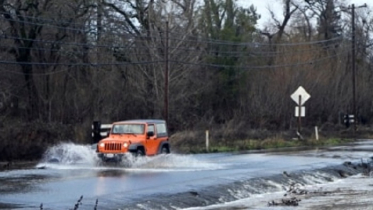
(302, 111)
(302, 93)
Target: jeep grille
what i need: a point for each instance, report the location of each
(113, 146)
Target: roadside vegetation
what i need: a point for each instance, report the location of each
(200, 65)
(254, 140)
(28, 142)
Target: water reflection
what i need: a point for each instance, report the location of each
(112, 173)
(24, 184)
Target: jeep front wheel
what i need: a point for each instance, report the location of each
(139, 152)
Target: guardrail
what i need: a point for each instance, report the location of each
(100, 131)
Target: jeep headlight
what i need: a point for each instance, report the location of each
(102, 144)
(125, 145)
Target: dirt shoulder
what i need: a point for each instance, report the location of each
(355, 193)
(352, 193)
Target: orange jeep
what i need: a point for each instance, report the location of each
(139, 137)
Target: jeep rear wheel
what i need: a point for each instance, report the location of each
(165, 150)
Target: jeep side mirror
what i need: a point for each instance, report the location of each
(150, 133)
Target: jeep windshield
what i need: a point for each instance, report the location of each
(128, 129)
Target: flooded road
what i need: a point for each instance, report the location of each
(169, 181)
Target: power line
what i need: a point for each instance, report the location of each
(253, 52)
(254, 44)
(128, 45)
(248, 53)
(71, 64)
(261, 66)
(160, 61)
(196, 39)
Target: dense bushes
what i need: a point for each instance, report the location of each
(28, 141)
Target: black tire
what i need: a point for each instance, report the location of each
(139, 153)
(165, 150)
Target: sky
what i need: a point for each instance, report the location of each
(263, 5)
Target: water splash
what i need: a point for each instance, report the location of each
(74, 156)
(173, 161)
(69, 154)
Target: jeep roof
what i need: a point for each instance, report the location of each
(148, 121)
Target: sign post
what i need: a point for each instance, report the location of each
(300, 96)
(299, 113)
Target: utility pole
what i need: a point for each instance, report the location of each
(354, 65)
(166, 76)
(353, 69)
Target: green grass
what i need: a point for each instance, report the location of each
(270, 143)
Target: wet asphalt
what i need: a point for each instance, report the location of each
(172, 181)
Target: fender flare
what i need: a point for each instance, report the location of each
(134, 147)
(162, 144)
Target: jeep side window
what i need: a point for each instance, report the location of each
(151, 129)
(161, 130)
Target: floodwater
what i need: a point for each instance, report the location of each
(71, 175)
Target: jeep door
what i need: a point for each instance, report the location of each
(151, 141)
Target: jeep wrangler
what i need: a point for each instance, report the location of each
(139, 137)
